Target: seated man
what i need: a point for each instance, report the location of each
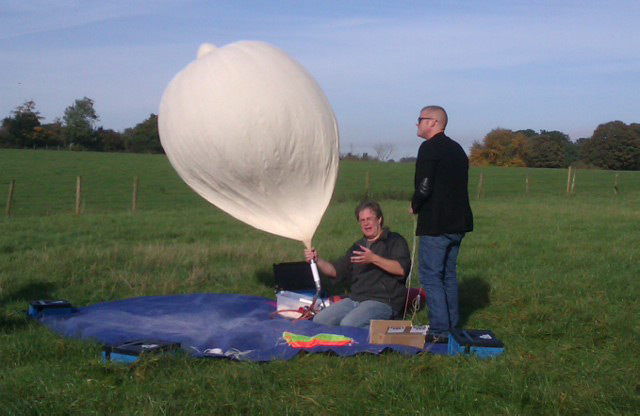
(377, 267)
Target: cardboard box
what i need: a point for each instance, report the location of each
(397, 333)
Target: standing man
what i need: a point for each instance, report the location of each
(441, 200)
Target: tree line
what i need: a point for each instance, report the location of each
(613, 145)
(76, 130)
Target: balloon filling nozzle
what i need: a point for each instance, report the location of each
(316, 275)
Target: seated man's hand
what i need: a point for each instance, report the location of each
(363, 257)
(311, 254)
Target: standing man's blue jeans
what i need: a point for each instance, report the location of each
(438, 260)
(348, 312)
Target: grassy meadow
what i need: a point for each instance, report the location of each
(554, 276)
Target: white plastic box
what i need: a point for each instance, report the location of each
(288, 303)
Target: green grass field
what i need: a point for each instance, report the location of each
(554, 276)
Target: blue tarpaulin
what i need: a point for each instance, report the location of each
(209, 325)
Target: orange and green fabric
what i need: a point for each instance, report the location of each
(318, 340)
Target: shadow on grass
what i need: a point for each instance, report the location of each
(473, 295)
(266, 278)
(13, 324)
(25, 294)
(29, 292)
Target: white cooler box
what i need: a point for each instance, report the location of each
(290, 302)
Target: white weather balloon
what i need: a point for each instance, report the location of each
(252, 132)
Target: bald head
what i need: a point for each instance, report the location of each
(433, 120)
(436, 112)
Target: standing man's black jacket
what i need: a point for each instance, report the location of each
(441, 197)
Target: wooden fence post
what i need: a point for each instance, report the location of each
(569, 181)
(136, 183)
(480, 190)
(573, 182)
(79, 195)
(615, 184)
(526, 185)
(12, 187)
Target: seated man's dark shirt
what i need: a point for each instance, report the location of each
(368, 281)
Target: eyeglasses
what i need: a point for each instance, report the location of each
(424, 118)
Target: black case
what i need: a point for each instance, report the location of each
(49, 307)
(132, 350)
(471, 341)
(294, 277)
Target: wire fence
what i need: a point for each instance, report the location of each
(80, 183)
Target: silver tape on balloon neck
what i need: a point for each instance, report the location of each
(316, 275)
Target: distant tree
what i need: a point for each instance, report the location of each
(479, 154)
(144, 137)
(527, 132)
(408, 159)
(4, 138)
(349, 156)
(550, 149)
(614, 145)
(79, 125)
(572, 153)
(635, 131)
(20, 130)
(54, 134)
(500, 147)
(112, 141)
(384, 151)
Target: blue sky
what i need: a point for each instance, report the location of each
(553, 65)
